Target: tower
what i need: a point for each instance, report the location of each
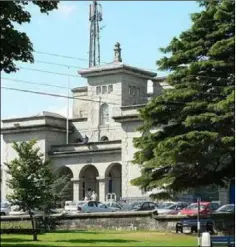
(95, 16)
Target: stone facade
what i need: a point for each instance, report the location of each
(101, 132)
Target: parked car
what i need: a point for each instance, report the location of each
(72, 206)
(228, 208)
(114, 205)
(15, 211)
(5, 208)
(171, 208)
(205, 208)
(93, 206)
(140, 206)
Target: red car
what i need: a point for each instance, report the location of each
(205, 208)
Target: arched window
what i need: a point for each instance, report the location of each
(104, 138)
(104, 114)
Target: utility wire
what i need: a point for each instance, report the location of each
(119, 95)
(77, 58)
(50, 72)
(36, 83)
(55, 95)
(64, 56)
(89, 100)
(59, 64)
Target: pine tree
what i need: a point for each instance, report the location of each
(33, 184)
(194, 144)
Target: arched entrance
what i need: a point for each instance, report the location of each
(88, 177)
(113, 180)
(67, 189)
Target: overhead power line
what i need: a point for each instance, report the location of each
(50, 72)
(55, 95)
(78, 58)
(59, 55)
(59, 64)
(36, 83)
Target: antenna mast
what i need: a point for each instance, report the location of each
(95, 16)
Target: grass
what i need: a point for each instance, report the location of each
(100, 238)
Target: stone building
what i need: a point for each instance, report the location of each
(101, 132)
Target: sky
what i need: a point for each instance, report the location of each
(141, 27)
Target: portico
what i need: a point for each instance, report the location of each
(101, 172)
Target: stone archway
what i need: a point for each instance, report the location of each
(88, 177)
(113, 180)
(67, 194)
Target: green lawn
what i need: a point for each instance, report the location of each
(101, 238)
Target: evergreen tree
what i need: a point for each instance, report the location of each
(194, 144)
(33, 185)
(16, 45)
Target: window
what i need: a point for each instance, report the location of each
(98, 90)
(104, 139)
(130, 90)
(110, 88)
(104, 114)
(138, 91)
(145, 206)
(104, 89)
(91, 204)
(81, 113)
(133, 90)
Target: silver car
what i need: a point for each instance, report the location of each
(93, 206)
(171, 207)
(5, 208)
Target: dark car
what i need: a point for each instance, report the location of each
(140, 206)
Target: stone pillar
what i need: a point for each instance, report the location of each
(101, 186)
(224, 195)
(76, 188)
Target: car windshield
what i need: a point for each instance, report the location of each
(194, 206)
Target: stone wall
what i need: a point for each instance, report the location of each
(126, 221)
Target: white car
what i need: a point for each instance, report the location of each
(72, 206)
(88, 207)
(16, 211)
(5, 208)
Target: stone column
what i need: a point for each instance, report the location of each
(76, 188)
(102, 186)
(224, 195)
